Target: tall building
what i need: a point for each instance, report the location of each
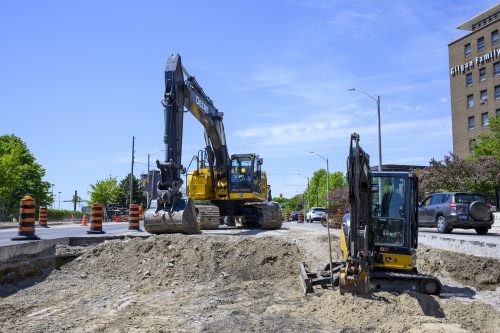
(475, 79)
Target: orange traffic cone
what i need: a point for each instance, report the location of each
(72, 219)
(84, 220)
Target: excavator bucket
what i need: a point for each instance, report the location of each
(178, 219)
(354, 284)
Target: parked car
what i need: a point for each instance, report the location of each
(448, 210)
(315, 214)
(294, 216)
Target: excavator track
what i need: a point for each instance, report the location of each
(269, 216)
(395, 281)
(208, 217)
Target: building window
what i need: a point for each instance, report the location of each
(494, 37)
(485, 121)
(482, 74)
(472, 142)
(497, 112)
(467, 50)
(480, 44)
(496, 68)
(470, 99)
(468, 80)
(483, 97)
(471, 122)
(497, 92)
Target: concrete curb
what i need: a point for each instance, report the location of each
(9, 252)
(475, 248)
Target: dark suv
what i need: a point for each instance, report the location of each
(448, 210)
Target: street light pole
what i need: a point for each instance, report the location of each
(327, 178)
(379, 130)
(59, 200)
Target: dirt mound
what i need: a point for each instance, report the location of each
(178, 283)
(478, 272)
(174, 258)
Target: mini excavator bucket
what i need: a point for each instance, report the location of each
(354, 283)
(180, 218)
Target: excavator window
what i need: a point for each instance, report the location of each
(388, 210)
(241, 174)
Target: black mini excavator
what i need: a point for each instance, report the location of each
(378, 239)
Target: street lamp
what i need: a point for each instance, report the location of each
(59, 200)
(308, 192)
(327, 177)
(379, 132)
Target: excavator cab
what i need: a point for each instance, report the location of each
(246, 174)
(394, 219)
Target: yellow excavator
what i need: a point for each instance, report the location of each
(222, 187)
(378, 239)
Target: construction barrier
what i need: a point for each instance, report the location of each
(26, 229)
(300, 218)
(42, 217)
(96, 219)
(84, 220)
(133, 217)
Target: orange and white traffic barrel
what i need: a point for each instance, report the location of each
(133, 217)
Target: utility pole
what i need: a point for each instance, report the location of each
(132, 172)
(74, 200)
(147, 186)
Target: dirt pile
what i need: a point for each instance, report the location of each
(478, 272)
(167, 259)
(177, 283)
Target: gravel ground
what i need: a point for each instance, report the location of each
(231, 283)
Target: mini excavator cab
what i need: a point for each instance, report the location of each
(394, 219)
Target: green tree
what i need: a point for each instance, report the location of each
(20, 175)
(104, 191)
(317, 185)
(138, 196)
(489, 144)
(289, 204)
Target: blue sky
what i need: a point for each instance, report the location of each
(78, 79)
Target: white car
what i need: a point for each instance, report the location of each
(315, 214)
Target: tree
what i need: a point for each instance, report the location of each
(455, 174)
(489, 144)
(138, 196)
(104, 191)
(288, 205)
(317, 185)
(20, 175)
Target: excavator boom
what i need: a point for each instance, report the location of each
(171, 213)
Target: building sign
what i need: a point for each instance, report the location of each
(478, 61)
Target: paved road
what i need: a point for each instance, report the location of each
(61, 231)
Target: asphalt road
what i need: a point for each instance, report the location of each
(62, 231)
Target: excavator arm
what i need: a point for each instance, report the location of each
(354, 277)
(173, 213)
